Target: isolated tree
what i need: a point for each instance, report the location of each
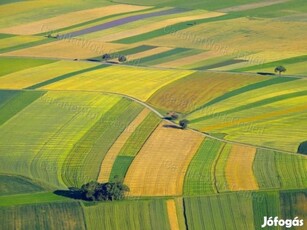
(122, 58)
(106, 57)
(184, 123)
(280, 69)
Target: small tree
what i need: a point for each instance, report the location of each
(184, 123)
(280, 69)
(106, 57)
(122, 58)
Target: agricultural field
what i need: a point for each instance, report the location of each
(136, 115)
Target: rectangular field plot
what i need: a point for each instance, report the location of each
(199, 178)
(13, 64)
(32, 76)
(67, 215)
(83, 162)
(139, 215)
(226, 211)
(136, 82)
(10, 185)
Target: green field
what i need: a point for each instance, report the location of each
(10, 185)
(231, 211)
(200, 176)
(128, 215)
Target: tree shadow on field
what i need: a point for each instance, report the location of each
(73, 193)
(172, 126)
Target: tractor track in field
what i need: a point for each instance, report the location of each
(162, 117)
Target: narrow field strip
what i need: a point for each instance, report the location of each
(6, 95)
(69, 48)
(138, 57)
(219, 171)
(252, 105)
(69, 19)
(108, 161)
(13, 64)
(17, 103)
(140, 135)
(133, 145)
(153, 58)
(120, 167)
(199, 88)
(199, 178)
(174, 28)
(11, 185)
(32, 78)
(187, 61)
(265, 169)
(266, 82)
(30, 198)
(26, 45)
(160, 166)
(250, 6)
(239, 169)
(68, 75)
(122, 21)
(155, 25)
(83, 163)
(172, 214)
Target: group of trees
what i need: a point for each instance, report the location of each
(110, 191)
(121, 58)
(172, 116)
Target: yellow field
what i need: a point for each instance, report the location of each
(140, 83)
(241, 35)
(160, 166)
(28, 77)
(108, 161)
(148, 53)
(69, 49)
(139, 28)
(18, 40)
(270, 56)
(239, 169)
(69, 19)
(137, 56)
(190, 59)
(172, 214)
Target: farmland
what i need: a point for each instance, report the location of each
(100, 91)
